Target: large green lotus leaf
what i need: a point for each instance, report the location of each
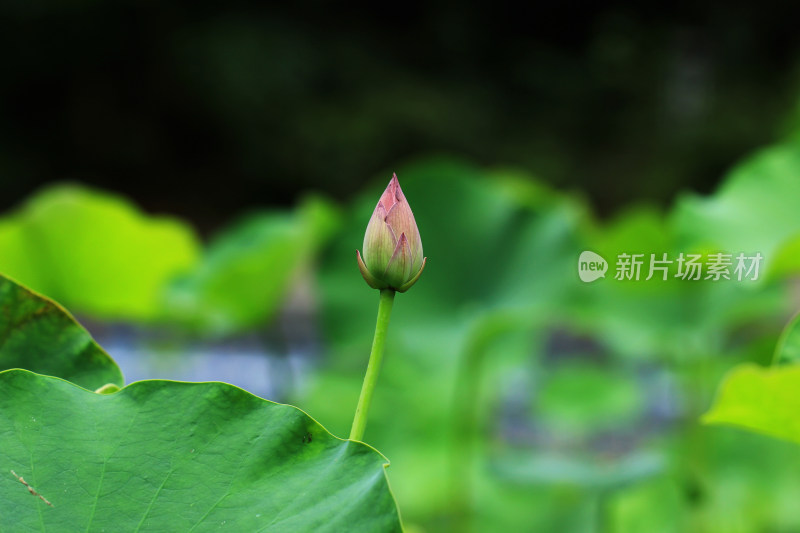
(172, 456)
(95, 252)
(763, 400)
(248, 270)
(39, 335)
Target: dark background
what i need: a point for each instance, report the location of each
(205, 109)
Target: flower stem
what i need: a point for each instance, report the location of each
(374, 365)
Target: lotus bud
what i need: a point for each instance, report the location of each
(392, 245)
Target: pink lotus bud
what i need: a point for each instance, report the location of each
(392, 245)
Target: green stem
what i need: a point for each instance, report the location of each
(374, 365)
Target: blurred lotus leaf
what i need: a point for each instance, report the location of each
(755, 210)
(248, 270)
(760, 399)
(95, 252)
(664, 317)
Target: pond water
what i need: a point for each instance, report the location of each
(253, 363)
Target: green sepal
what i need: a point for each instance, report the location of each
(404, 287)
(371, 280)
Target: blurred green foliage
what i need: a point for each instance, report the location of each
(248, 270)
(490, 395)
(754, 210)
(513, 396)
(787, 350)
(100, 256)
(616, 399)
